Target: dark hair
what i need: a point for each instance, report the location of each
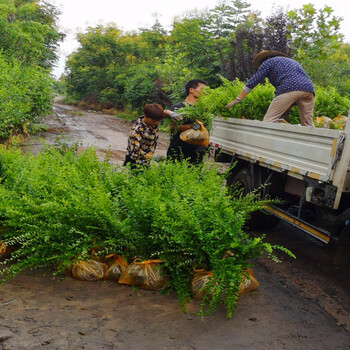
(193, 84)
(154, 111)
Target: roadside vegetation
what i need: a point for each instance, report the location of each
(121, 71)
(118, 72)
(57, 205)
(28, 42)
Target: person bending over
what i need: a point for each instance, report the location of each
(143, 135)
(293, 86)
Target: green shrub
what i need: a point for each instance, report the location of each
(58, 204)
(185, 216)
(25, 95)
(328, 102)
(55, 205)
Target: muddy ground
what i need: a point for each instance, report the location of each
(106, 133)
(300, 304)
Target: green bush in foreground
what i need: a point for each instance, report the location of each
(56, 205)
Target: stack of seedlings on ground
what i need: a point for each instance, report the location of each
(56, 205)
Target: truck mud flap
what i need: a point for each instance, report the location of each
(322, 235)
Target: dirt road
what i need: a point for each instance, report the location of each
(69, 124)
(300, 304)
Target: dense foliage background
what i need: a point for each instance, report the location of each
(121, 71)
(124, 70)
(28, 43)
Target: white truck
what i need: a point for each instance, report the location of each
(307, 168)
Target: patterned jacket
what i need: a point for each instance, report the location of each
(285, 74)
(142, 141)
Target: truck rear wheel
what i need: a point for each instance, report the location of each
(259, 220)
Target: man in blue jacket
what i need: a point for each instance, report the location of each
(292, 85)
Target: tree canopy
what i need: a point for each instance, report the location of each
(127, 69)
(28, 50)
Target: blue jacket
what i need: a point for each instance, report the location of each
(285, 74)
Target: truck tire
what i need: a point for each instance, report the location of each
(242, 179)
(259, 220)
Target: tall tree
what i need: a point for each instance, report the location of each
(29, 31)
(224, 18)
(276, 32)
(153, 40)
(195, 44)
(314, 33)
(333, 71)
(28, 43)
(247, 41)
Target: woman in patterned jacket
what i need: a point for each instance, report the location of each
(143, 136)
(292, 85)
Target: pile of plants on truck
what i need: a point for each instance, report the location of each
(328, 103)
(58, 205)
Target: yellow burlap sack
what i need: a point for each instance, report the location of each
(340, 121)
(199, 279)
(89, 270)
(144, 274)
(116, 266)
(5, 251)
(249, 283)
(323, 122)
(196, 137)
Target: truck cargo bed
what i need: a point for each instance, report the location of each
(302, 152)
